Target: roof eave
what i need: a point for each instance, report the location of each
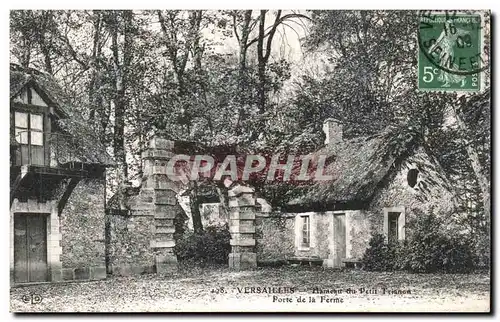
(60, 111)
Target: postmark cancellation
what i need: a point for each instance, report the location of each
(453, 54)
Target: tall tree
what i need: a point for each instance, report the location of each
(34, 33)
(181, 34)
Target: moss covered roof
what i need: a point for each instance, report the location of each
(356, 168)
(20, 77)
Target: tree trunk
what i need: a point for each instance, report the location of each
(120, 83)
(197, 47)
(44, 42)
(95, 79)
(263, 54)
(26, 55)
(242, 72)
(261, 57)
(47, 60)
(243, 43)
(194, 205)
(224, 203)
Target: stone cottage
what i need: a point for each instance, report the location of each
(333, 220)
(57, 185)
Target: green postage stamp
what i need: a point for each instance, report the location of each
(450, 55)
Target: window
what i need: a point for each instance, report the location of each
(21, 127)
(31, 125)
(36, 127)
(394, 224)
(393, 218)
(28, 131)
(412, 177)
(306, 231)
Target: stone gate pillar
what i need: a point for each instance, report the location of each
(165, 202)
(242, 228)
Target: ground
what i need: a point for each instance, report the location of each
(218, 289)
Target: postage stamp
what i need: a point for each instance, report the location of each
(450, 51)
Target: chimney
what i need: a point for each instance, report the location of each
(333, 131)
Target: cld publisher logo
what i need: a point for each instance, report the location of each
(32, 298)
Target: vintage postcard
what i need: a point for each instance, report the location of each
(250, 161)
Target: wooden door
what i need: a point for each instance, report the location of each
(30, 248)
(339, 237)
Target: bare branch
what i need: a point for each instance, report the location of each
(282, 19)
(235, 29)
(271, 34)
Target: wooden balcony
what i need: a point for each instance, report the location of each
(48, 168)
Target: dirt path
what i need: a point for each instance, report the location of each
(264, 290)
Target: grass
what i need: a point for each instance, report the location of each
(219, 289)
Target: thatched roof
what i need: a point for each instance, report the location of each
(84, 145)
(20, 77)
(356, 168)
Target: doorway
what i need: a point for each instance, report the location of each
(30, 248)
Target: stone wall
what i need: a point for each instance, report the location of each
(431, 193)
(274, 236)
(140, 236)
(242, 214)
(256, 235)
(82, 229)
(359, 227)
(358, 224)
(129, 237)
(323, 234)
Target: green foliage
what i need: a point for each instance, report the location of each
(210, 246)
(379, 256)
(180, 224)
(431, 248)
(483, 250)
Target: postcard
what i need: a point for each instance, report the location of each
(250, 161)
